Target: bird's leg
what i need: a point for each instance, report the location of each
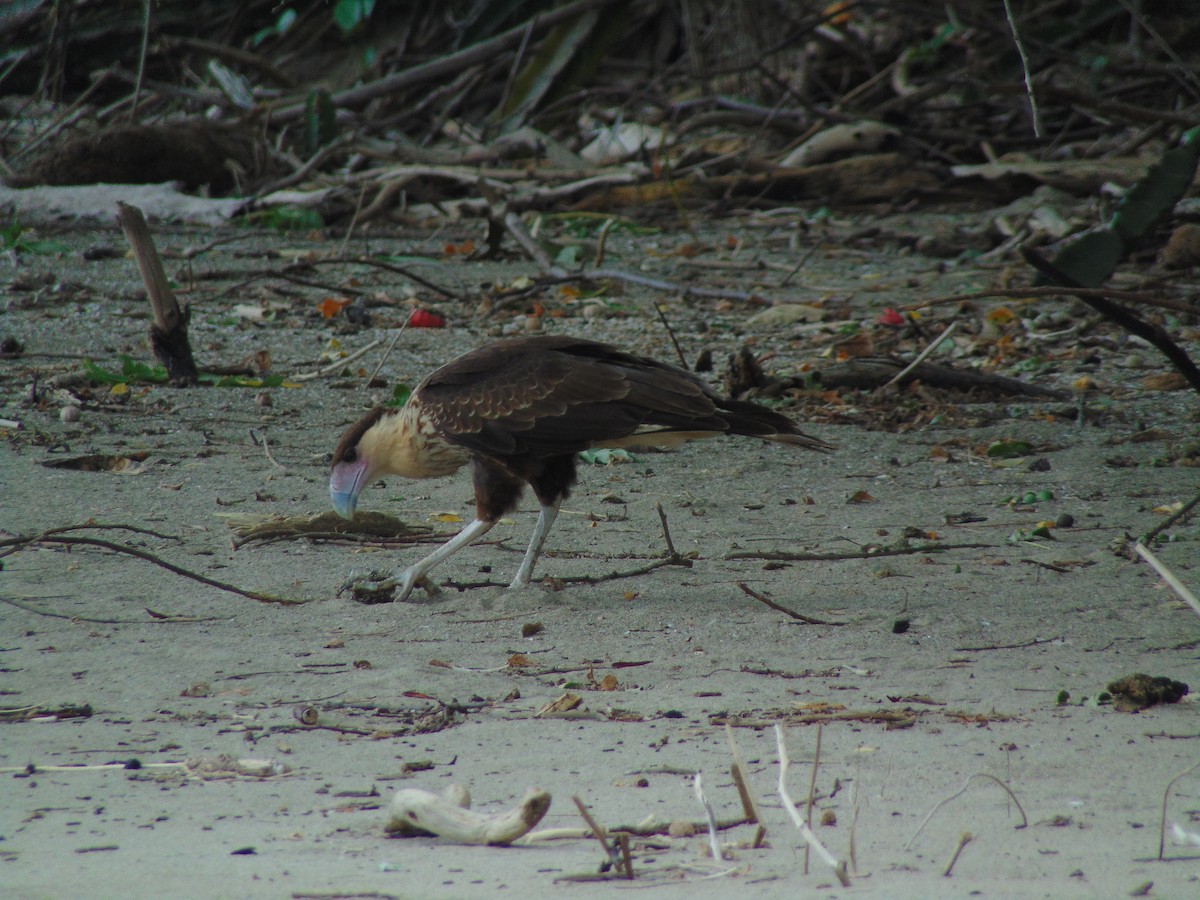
(540, 530)
(412, 576)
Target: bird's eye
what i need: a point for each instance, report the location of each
(350, 455)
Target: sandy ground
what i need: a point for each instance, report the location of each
(423, 694)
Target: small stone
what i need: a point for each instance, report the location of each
(69, 413)
(681, 829)
(263, 399)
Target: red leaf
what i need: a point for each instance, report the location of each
(890, 317)
(423, 318)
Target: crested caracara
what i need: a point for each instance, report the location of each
(519, 411)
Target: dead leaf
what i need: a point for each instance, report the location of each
(565, 703)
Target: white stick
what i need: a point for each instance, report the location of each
(714, 845)
(839, 868)
(1169, 577)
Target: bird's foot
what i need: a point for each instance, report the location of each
(407, 580)
(381, 587)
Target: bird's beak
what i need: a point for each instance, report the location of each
(345, 484)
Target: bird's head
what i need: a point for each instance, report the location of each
(356, 461)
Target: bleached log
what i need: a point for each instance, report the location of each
(415, 812)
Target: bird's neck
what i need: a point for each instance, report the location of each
(407, 444)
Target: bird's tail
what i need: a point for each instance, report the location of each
(752, 420)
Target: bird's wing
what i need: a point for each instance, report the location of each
(554, 395)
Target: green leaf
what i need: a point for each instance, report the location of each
(287, 218)
(1009, 449)
(568, 256)
(243, 381)
(400, 395)
(131, 370)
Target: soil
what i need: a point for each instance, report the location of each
(130, 690)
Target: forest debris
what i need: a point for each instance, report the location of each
(415, 812)
(1134, 693)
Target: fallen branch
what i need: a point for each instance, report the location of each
(869, 553)
(762, 598)
(55, 537)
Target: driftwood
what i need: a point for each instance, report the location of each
(416, 813)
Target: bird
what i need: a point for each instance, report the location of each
(518, 411)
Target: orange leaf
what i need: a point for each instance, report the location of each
(519, 661)
(331, 306)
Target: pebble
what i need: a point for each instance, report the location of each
(69, 413)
